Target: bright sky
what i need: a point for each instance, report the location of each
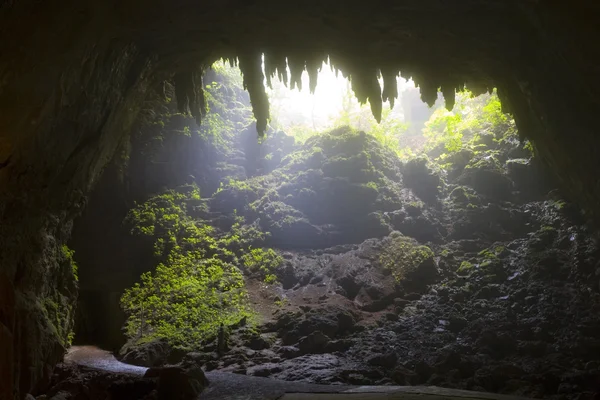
(294, 107)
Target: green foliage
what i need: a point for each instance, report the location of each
(491, 253)
(197, 284)
(372, 185)
(453, 129)
(185, 300)
(229, 106)
(465, 268)
(68, 255)
(59, 311)
(558, 204)
(387, 132)
(163, 217)
(403, 256)
(264, 262)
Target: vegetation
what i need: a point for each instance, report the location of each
(470, 115)
(403, 256)
(68, 256)
(264, 262)
(185, 300)
(197, 284)
(230, 114)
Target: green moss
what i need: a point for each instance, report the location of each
(68, 256)
(59, 312)
(197, 284)
(372, 185)
(558, 204)
(403, 256)
(492, 253)
(185, 300)
(547, 228)
(465, 268)
(262, 261)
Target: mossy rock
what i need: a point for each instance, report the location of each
(357, 168)
(486, 175)
(334, 200)
(465, 268)
(236, 196)
(407, 260)
(456, 162)
(464, 195)
(487, 139)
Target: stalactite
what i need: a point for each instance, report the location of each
(251, 67)
(390, 86)
(477, 88)
(504, 102)
(190, 95)
(275, 66)
(366, 87)
(375, 98)
(313, 67)
(429, 91)
(364, 80)
(297, 65)
(449, 96)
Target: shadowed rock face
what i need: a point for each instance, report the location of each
(74, 75)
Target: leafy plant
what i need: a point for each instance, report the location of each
(185, 300)
(453, 129)
(264, 262)
(68, 255)
(197, 285)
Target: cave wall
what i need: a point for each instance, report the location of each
(74, 74)
(64, 111)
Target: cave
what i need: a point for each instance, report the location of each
(75, 75)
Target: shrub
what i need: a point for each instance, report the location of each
(185, 300)
(196, 286)
(262, 261)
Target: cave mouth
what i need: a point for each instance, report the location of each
(70, 101)
(430, 249)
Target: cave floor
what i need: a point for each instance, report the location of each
(231, 386)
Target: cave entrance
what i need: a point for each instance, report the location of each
(205, 173)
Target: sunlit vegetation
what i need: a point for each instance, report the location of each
(264, 262)
(229, 106)
(197, 284)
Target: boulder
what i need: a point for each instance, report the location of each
(314, 343)
(151, 354)
(177, 383)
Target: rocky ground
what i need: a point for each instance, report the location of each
(473, 276)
